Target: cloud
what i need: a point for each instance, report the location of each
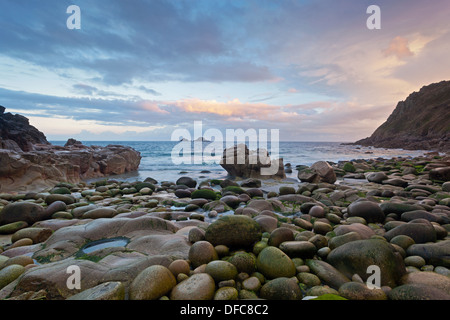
(399, 47)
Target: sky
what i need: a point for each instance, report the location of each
(141, 69)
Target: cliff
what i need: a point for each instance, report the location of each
(421, 122)
(30, 163)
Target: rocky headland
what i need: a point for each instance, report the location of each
(30, 163)
(421, 122)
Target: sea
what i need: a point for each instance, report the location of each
(159, 163)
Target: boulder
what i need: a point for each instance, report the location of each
(436, 254)
(420, 230)
(356, 256)
(274, 263)
(239, 161)
(199, 286)
(23, 211)
(368, 210)
(233, 231)
(320, 171)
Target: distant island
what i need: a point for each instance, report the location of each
(421, 122)
(198, 139)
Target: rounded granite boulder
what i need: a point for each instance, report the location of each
(233, 231)
(274, 263)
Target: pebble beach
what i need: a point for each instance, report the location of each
(235, 239)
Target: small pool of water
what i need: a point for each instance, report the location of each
(104, 243)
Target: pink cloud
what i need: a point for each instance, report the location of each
(399, 47)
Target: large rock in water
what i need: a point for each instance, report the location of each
(321, 171)
(239, 161)
(421, 122)
(356, 256)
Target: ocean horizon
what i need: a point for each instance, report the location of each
(158, 164)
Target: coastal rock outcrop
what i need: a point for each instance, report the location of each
(30, 163)
(239, 161)
(421, 122)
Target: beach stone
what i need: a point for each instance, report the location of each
(202, 252)
(428, 278)
(67, 199)
(231, 201)
(322, 291)
(343, 239)
(9, 274)
(79, 211)
(100, 213)
(62, 215)
(415, 261)
(183, 193)
(327, 273)
(234, 230)
(252, 284)
(319, 241)
(254, 192)
(286, 190)
(179, 266)
(420, 230)
(196, 234)
(221, 270)
(274, 263)
(397, 207)
(403, 241)
(267, 223)
(244, 262)
(368, 210)
(251, 183)
(280, 235)
(437, 254)
(309, 279)
(281, 289)
(446, 186)
(422, 214)
(302, 223)
(356, 256)
(187, 181)
(204, 194)
(441, 174)
(38, 235)
(359, 291)
(317, 211)
(21, 243)
(216, 205)
(320, 227)
(10, 228)
(199, 286)
(113, 290)
(152, 283)
(417, 292)
(364, 231)
(299, 249)
(226, 293)
(324, 171)
(377, 177)
(55, 207)
(23, 211)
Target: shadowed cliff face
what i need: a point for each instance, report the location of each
(422, 121)
(30, 163)
(17, 134)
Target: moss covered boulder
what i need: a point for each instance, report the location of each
(233, 231)
(274, 263)
(204, 194)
